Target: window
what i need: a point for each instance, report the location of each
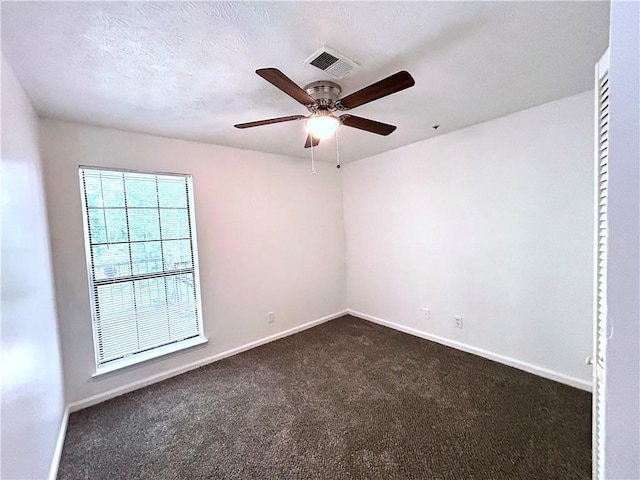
(142, 265)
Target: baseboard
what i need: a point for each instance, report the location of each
(512, 362)
(57, 453)
(101, 397)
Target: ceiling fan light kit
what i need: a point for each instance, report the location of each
(322, 125)
(322, 98)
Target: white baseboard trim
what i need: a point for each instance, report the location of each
(101, 397)
(57, 453)
(512, 362)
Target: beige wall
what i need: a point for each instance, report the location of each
(622, 391)
(492, 223)
(32, 390)
(269, 234)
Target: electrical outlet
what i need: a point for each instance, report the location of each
(271, 317)
(426, 314)
(459, 323)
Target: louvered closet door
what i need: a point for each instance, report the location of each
(601, 237)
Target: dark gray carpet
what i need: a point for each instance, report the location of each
(345, 400)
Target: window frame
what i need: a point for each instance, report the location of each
(161, 350)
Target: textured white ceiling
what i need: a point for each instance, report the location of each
(186, 70)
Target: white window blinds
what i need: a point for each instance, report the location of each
(141, 258)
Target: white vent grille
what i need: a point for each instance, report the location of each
(332, 62)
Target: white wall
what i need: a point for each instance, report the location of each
(32, 393)
(269, 238)
(622, 407)
(493, 223)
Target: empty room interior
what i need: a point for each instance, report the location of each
(320, 240)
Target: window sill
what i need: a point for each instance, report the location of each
(150, 355)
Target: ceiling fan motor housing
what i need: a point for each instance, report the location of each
(324, 92)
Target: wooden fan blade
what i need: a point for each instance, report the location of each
(279, 80)
(311, 140)
(368, 125)
(269, 121)
(395, 83)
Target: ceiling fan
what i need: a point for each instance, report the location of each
(322, 99)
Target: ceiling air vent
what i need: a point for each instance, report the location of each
(331, 62)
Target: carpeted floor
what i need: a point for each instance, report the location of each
(345, 400)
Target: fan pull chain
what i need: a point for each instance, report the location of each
(337, 151)
(313, 167)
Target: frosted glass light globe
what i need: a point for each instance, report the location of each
(322, 126)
